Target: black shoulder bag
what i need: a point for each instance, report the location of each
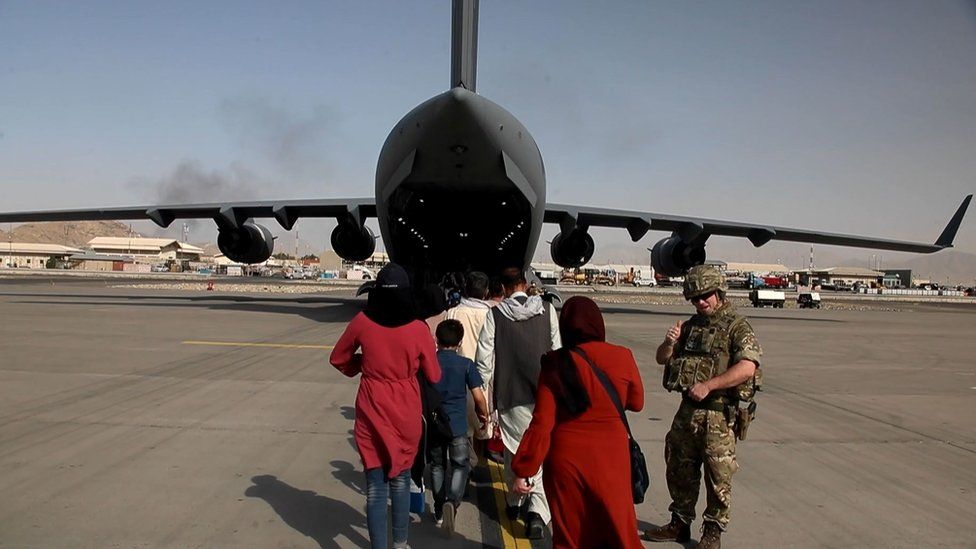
(639, 478)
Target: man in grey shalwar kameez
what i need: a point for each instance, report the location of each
(515, 336)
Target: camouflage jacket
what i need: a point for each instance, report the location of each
(708, 346)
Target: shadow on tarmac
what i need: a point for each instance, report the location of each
(350, 475)
(348, 306)
(286, 298)
(321, 518)
(328, 521)
(616, 309)
(343, 313)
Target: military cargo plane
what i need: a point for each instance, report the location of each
(460, 184)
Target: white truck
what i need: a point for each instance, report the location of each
(767, 298)
(645, 281)
(359, 272)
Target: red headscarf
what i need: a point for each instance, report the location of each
(580, 321)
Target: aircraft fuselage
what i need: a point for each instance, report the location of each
(460, 185)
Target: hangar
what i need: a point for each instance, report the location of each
(845, 276)
(91, 261)
(756, 268)
(150, 249)
(33, 256)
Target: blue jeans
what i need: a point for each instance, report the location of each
(378, 490)
(457, 451)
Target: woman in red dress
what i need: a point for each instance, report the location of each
(577, 435)
(395, 345)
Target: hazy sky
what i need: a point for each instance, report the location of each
(846, 116)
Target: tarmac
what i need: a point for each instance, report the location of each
(133, 417)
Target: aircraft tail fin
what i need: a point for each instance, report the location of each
(464, 44)
(949, 233)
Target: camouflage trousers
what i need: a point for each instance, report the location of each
(696, 438)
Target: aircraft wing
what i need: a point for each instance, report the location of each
(286, 212)
(691, 230)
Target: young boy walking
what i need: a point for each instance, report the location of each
(458, 376)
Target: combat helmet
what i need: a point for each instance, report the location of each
(702, 279)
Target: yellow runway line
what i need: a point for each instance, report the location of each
(498, 484)
(246, 344)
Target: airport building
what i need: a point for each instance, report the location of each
(899, 278)
(377, 261)
(90, 261)
(842, 276)
(25, 255)
(222, 260)
(147, 249)
(330, 261)
(756, 268)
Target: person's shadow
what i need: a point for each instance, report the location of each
(348, 474)
(319, 517)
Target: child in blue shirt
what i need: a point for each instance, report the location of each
(458, 376)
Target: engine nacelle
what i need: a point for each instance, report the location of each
(573, 249)
(353, 242)
(249, 243)
(672, 257)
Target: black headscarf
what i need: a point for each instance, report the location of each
(391, 302)
(431, 301)
(580, 322)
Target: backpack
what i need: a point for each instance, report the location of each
(437, 426)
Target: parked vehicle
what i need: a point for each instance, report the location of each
(645, 282)
(755, 281)
(669, 280)
(737, 281)
(588, 277)
(808, 300)
(547, 277)
(767, 298)
(568, 277)
(607, 277)
(358, 272)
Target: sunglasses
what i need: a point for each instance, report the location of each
(703, 297)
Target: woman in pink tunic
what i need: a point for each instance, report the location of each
(394, 346)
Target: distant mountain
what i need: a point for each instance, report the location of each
(66, 233)
(209, 248)
(958, 267)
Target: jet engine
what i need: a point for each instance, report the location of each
(572, 249)
(353, 242)
(672, 257)
(249, 243)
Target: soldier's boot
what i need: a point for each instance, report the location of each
(711, 537)
(676, 530)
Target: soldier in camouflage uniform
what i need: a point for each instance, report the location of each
(713, 360)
